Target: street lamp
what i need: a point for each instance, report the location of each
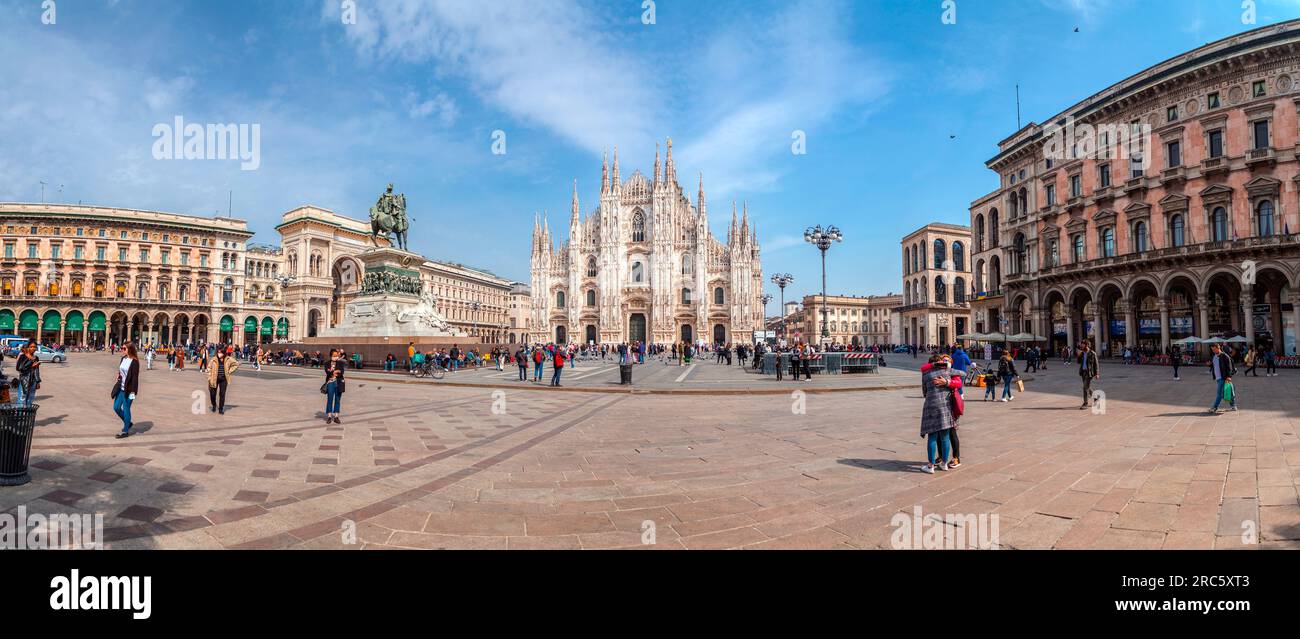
(782, 280)
(822, 239)
(765, 298)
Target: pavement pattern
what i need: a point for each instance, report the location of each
(432, 465)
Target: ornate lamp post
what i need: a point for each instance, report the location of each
(822, 239)
(782, 280)
(765, 298)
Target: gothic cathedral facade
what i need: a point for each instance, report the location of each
(643, 266)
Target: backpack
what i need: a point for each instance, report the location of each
(538, 358)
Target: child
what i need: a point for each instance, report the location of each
(990, 383)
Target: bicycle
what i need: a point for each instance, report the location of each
(429, 369)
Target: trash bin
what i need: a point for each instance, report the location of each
(624, 373)
(16, 424)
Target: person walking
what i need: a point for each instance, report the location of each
(938, 414)
(960, 364)
(128, 384)
(1222, 370)
(29, 373)
(1270, 363)
(1007, 373)
(218, 380)
(1176, 360)
(521, 360)
(1089, 369)
(557, 364)
(1252, 362)
(539, 358)
(334, 385)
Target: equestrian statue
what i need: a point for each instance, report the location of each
(388, 218)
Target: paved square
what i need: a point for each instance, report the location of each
(433, 465)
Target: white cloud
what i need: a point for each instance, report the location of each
(731, 98)
(440, 106)
(546, 67)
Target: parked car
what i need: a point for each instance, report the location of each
(47, 354)
(902, 349)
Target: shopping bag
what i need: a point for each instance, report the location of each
(1020, 385)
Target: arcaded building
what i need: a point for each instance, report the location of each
(74, 274)
(1190, 231)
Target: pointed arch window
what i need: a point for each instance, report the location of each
(591, 267)
(686, 296)
(718, 296)
(638, 226)
(591, 297)
(559, 299)
(687, 266)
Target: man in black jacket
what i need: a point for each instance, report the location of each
(1221, 368)
(1088, 371)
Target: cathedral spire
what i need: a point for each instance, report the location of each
(670, 169)
(604, 173)
(744, 224)
(731, 233)
(615, 181)
(658, 174)
(699, 200)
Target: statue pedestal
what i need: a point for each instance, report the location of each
(393, 301)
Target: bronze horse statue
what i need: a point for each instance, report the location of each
(388, 218)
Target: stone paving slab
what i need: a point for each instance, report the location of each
(428, 465)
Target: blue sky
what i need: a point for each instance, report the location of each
(413, 92)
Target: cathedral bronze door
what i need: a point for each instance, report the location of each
(636, 327)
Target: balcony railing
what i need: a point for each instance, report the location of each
(1260, 156)
(1154, 255)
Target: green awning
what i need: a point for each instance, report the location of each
(227, 323)
(283, 327)
(268, 326)
(6, 320)
(28, 321)
(75, 322)
(98, 322)
(52, 322)
(250, 325)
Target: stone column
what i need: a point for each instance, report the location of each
(1130, 326)
(1204, 319)
(1247, 315)
(1234, 303)
(1069, 331)
(85, 331)
(1097, 329)
(62, 327)
(1164, 325)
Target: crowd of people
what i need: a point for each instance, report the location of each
(949, 369)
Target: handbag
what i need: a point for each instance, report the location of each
(322, 388)
(958, 405)
(117, 388)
